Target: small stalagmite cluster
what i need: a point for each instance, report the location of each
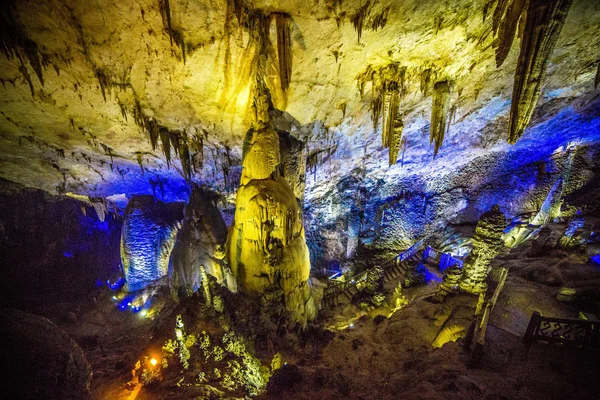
(266, 245)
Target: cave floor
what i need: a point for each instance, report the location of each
(385, 357)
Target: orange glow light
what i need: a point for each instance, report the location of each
(153, 361)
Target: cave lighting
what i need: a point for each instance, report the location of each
(153, 361)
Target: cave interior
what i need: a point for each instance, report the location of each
(326, 199)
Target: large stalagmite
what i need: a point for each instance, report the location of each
(545, 19)
(487, 242)
(147, 238)
(266, 245)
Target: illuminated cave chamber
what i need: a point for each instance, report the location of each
(316, 199)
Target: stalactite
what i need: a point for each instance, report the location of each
(25, 73)
(506, 20)
(388, 88)
(358, 19)
(165, 140)
(103, 81)
(175, 36)
(545, 19)
(439, 113)
(425, 81)
(395, 140)
(284, 49)
(15, 42)
(140, 161)
(380, 20)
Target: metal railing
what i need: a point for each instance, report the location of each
(578, 332)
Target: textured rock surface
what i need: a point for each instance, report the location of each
(487, 242)
(39, 360)
(53, 248)
(266, 244)
(147, 239)
(110, 62)
(200, 242)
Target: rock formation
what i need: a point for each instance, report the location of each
(39, 360)
(449, 283)
(439, 113)
(266, 244)
(544, 21)
(200, 243)
(147, 238)
(487, 242)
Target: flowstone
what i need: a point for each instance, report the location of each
(147, 238)
(266, 244)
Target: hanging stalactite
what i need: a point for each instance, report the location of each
(175, 36)
(284, 49)
(388, 88)
(395, 139)
(439, 113)
(504, 26)
(544, 22)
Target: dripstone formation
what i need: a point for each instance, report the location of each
(487, 242)
(266, 244)
(147, 238)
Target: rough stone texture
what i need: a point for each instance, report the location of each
(200, 242)
(39, 360)
(52, 248)
(109, 59)
(266, 244)
(147, 239)
(487, 242)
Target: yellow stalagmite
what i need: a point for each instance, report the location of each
(266, 244)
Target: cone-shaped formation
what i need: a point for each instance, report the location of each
(200, 243)
(284, 49)
(266, 245)
(506, 20)
(545, 19)
(439, 113)
(487, 242)
(449, 283)
(389, 87)
(147, 238)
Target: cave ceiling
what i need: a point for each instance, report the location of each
(93, 90)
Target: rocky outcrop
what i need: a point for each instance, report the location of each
(39, 360)
(53, 248)
(487, 242)
(147, 238)
(200, 243)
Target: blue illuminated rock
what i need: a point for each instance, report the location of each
(147, 238)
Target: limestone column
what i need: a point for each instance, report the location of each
(487, 242)
(266, 244)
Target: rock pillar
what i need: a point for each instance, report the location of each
(487, 242)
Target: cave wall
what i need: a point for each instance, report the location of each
(402, 204)
(52, 248)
